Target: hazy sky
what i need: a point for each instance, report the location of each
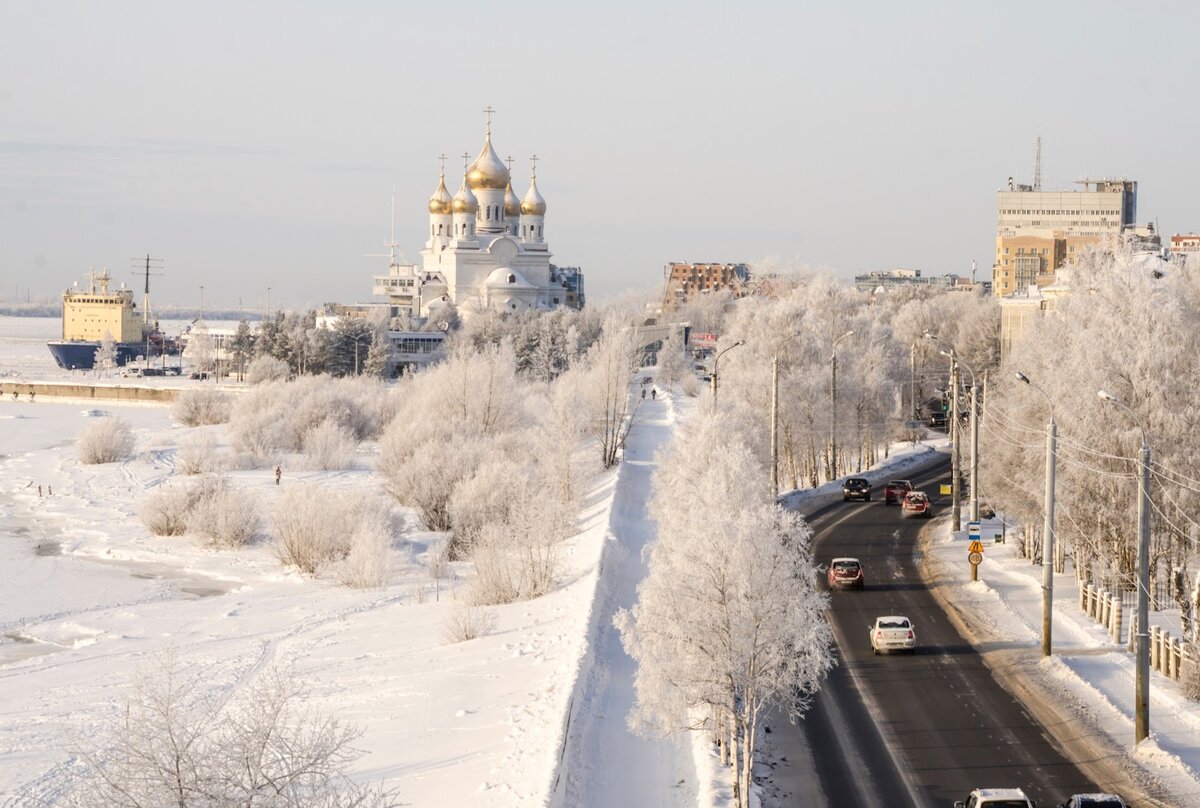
(255, 144)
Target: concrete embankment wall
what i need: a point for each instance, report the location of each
(98, 392)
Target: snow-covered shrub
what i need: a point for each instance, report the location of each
(177, 741)
(520, 557)
(1189, 672)
(227, 516)
(206, 505)
(368, 563)
(486, 497)
(690, 385)
(267, 369)
(466, 622)
(329, 447)
(165, 511)
(200, 406)
(427, 477)
(272, 419)
(315, 528)
(105, 440)
(197, 454)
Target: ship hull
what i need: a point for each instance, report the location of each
(81, 354)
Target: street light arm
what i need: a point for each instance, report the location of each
(1023, 378)
(1109, 397)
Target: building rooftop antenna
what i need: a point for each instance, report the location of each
(140, 270)
(1037, 163)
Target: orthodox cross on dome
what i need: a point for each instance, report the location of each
(508, 160)
(466, 161)
(533, 160)
(442, 159)
(488, 111)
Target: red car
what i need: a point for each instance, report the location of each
(916, 503)
(895, 490)
(845, 573)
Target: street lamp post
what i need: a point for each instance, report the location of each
(716, 362)
(974, 415)
(775, 414)
(201, 304)
(1048, 524)
(833, 469)
(1142, 665)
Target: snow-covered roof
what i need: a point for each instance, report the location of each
(506, 277)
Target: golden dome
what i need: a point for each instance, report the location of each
(487, 171)
(440, 202)
(533, 204)
(464, 201)
(512, 205)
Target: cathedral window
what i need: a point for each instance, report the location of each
(512, 278)
(489, 213)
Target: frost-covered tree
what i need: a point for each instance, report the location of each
(729, 621)
(106, 355)
(1110, 332)
(378, 363)
(242, 348)
(201, 349)
(609, 367)
(177, 742)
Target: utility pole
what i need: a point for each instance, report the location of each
(955, 433)
(974, 452)
(1141, 687)
(1048, 521)
(716, 364)
(833, 466)
(912, 381)
(775, 425)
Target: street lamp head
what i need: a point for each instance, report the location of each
(1021, 377)
(1107, 396)
(946, 353)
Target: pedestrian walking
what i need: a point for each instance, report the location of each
(39, 490)
(654, 394)
(278, 474)
(49, 490)
(643, 394)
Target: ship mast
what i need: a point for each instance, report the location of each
(146, 293)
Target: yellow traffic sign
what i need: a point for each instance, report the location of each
(976, 547)
(946, 489)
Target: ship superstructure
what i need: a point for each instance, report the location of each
(97, 313)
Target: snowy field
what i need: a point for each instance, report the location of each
(1087, 673)
(88, 597)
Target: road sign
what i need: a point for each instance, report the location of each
(946, 489)
(975, 558)
(976, 547)
(973, 530)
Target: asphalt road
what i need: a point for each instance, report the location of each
(899, 729)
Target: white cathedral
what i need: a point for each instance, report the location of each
(486, 249)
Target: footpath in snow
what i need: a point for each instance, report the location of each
(604, 764)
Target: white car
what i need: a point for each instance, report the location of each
(892, 633)
(996, 798)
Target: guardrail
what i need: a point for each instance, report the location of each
(1104, 607)
(1167, 654)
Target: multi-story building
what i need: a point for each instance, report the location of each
(686, 280)
(892, 278)
(1039, 231)
(1185, 243)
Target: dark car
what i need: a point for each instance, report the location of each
(894, 491)
(1095, 801)
(845, 573)
(856, 488)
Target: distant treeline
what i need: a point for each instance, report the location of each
(161, 312)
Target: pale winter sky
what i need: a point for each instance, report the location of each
(255, 144)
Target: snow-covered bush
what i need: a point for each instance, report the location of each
(487, 496)
(1189, 672)
(105, 440)
(273, 419)
(225, 515)
(520, 557)
(368, 563)
(329, 447)
(426, 478)
(690, 384)
(267, 369)
(315, 529)
(178, 741)
(207, 506)
(200, 406)
(197, 454)
(466, 622)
